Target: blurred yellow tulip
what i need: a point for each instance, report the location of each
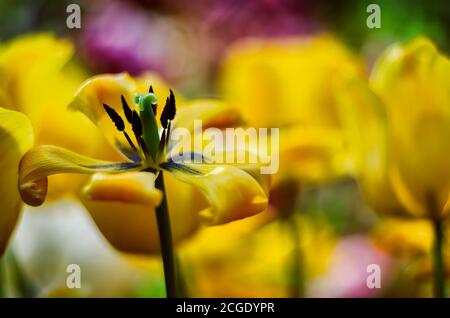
(288, 83)
(397, 127)
(398, 132)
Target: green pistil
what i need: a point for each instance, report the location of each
(147, 104)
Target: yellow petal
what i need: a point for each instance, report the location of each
(107, 89)
(123, 207)
(367, 138)
(16, 137)
(413, 81)
(312, 154)
(211, 112)
(131, 187)
(28, 70)
(40, 162)
(231, 192)
(280, 82)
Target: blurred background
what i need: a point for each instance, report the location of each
(316, 245)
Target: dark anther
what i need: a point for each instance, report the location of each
(154, 109)
(172, 108)
(168, 112)
(150, 90)
(164, 119)
(126, 109)
(115, 117)
(136, 124)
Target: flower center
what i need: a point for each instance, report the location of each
(150, 145)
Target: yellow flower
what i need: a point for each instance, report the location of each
(398, 132)
(288, 83)
(398, 128)
(109, 102)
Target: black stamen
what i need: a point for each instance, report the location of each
(154, 106)
(136, 124)
(150, 90)
(126, 109)
(169, 110)
(115, 117)
(164, 115)
(130, 141)
(172, 109)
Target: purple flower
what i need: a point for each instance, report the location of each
(121, 37)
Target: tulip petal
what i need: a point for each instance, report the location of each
(211, 113)
(317, 156)
(28, 66)
(281, 82)
(123, 207)
(16, 137)
(108, 89)
(365, 128)
(413, 81)
(42, 161)
(231, 192)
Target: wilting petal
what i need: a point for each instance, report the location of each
(40, 162)
(108, 89)
(16, 137)
(123, 207)
(413, 81)
(28, 68)
(231, 192)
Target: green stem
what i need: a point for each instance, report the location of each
(439, 269)
(165, 238)
(296, 269)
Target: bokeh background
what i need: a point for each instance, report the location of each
(323, 235)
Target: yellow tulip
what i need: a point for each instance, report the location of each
(397, 128)
(232, 193)
(288, 83)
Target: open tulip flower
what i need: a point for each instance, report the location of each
(405, 107)
(107, 101)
